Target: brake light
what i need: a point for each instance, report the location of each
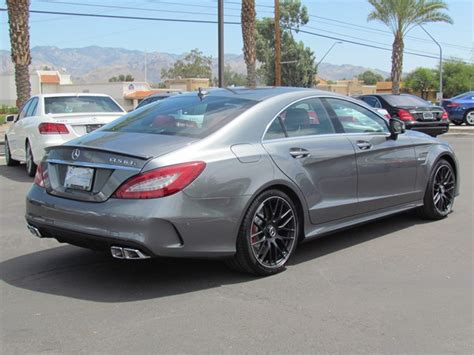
(445, 115)
(453, 104)
(52, 128)
(160, 182)
(404, 115)
(40, 176)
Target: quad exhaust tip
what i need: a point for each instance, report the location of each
(127, 253)
(35, 231)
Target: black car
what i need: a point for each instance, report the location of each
(418, 114)
(155, 97)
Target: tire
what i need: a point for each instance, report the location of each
(457, 123)
(441, 187)
(469, 118)
(30, 163)
(8, 158)
(268, 235)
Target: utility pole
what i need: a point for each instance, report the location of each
(440, 98)
(277, 44)
(146, 68)
(220, 36)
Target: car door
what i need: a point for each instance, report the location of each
(15, 133)
(386, 168)
(305, 145)
(23, 127)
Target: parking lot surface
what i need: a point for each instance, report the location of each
(398, 285)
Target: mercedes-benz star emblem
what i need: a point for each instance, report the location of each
(75, 154)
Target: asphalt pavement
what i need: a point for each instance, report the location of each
(398, 285)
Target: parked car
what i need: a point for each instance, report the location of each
(239, 174)
(416, 113)
(155, 97)
(53, 119)
(461, 108)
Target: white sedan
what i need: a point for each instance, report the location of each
(53, 119)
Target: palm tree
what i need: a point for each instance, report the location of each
(18, 17)
(248, 36)
(401, 16)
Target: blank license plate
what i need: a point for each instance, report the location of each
(79, 178)
(428, 116)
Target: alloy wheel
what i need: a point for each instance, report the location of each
(470, 118)
(443, 189)
(273, 232)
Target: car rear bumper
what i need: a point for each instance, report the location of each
(174, 226)
(431, 128)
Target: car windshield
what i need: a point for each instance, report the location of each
(187, 116)
(80, 104)
(405, 100)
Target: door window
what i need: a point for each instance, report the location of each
(24, 110)
(32, 108)
(304, 118)
(355, 118)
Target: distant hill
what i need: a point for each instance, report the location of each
(98, 64)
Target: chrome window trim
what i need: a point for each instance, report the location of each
(92, 165)
(373, 110)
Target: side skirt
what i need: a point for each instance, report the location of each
(319, 230)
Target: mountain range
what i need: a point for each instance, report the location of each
(97, 64)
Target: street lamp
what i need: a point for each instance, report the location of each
(325, 54)
(440, 65)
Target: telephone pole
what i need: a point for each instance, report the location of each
(220, 35)
(277, 44)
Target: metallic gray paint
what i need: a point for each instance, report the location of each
(336, 186)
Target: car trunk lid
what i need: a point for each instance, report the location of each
(91, 168)
(82, 123)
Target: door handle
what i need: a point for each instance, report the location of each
(299, 153)
(364, 145)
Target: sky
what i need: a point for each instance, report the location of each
(346, 20)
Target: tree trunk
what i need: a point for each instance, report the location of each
(248, 36)
(18, 18)
(397, 62)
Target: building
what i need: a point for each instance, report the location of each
(187, 84)
(127, 94)
(346, 87)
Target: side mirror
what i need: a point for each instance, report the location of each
(396, 127)
(10, 118)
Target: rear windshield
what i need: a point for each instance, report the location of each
(405, 100)
(80, 104)
(186, 116)
(149, 100)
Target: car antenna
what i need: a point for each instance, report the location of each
(201, 93)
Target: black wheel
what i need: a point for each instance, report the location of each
(457, 123)
(469, 118)
(8, 158)
(439, 195)
(30, 163)
(268, 235)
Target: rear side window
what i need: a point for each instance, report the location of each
(355, 118)
(25, 109)
(186, 116)
(32, 108)
(372, 101)
(304, 118)
(80, 104)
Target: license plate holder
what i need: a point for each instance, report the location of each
(428, 116)
(79, 178)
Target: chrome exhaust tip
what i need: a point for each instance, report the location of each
(35, 231)
(117, 252)
(127, 253)
(134, 254)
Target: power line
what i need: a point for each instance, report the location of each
(215, 22)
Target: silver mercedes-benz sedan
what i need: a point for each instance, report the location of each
(240, 174)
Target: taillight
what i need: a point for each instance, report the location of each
(52, 128)
(404, 115)
(453, 104)
(39, 176)
(160, 182)
(445, 115)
